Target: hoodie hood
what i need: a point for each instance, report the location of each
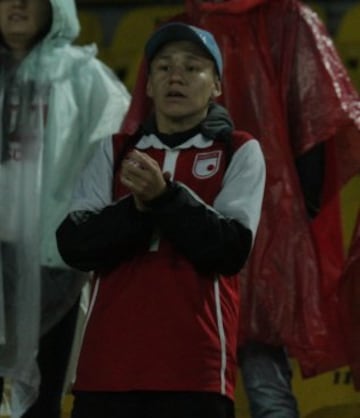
(65, 26)
(65, 23)
(54, 57)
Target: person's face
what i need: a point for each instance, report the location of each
(181, 83)
(23, 22)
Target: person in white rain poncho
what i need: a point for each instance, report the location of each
(57, 101)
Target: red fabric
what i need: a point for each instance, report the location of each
(350, 302)
(182, 345)
(194, 8)
(284, 83)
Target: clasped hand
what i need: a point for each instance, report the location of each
(142, 175)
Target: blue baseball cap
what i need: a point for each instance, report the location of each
(177, 31)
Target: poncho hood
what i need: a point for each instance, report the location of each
(65, 24)
(53, 58)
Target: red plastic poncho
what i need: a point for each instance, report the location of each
(284, 82)
(350, 297)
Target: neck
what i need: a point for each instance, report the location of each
(18, 51)
(18, 55)
(175, 125)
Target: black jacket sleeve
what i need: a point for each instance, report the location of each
(103, 240)
(213, 243)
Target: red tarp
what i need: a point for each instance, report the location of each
(350, 298)
(285, 84)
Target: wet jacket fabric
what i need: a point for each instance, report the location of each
(56, 105)
(349, 298)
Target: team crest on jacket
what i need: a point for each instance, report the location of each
(206, 164)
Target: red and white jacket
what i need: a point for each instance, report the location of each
(165, 308)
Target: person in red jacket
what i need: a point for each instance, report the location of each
(166, 216)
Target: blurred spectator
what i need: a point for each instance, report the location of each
(57, 102)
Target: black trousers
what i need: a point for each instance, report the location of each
(150, 404)
(54, 352)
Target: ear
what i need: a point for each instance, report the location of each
(217, 88)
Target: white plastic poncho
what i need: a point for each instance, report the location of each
(55, 107)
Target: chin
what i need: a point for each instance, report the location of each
(177, 116)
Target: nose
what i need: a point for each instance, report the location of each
(176, 74)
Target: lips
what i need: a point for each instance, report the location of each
(17, 17)
(175, 94)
